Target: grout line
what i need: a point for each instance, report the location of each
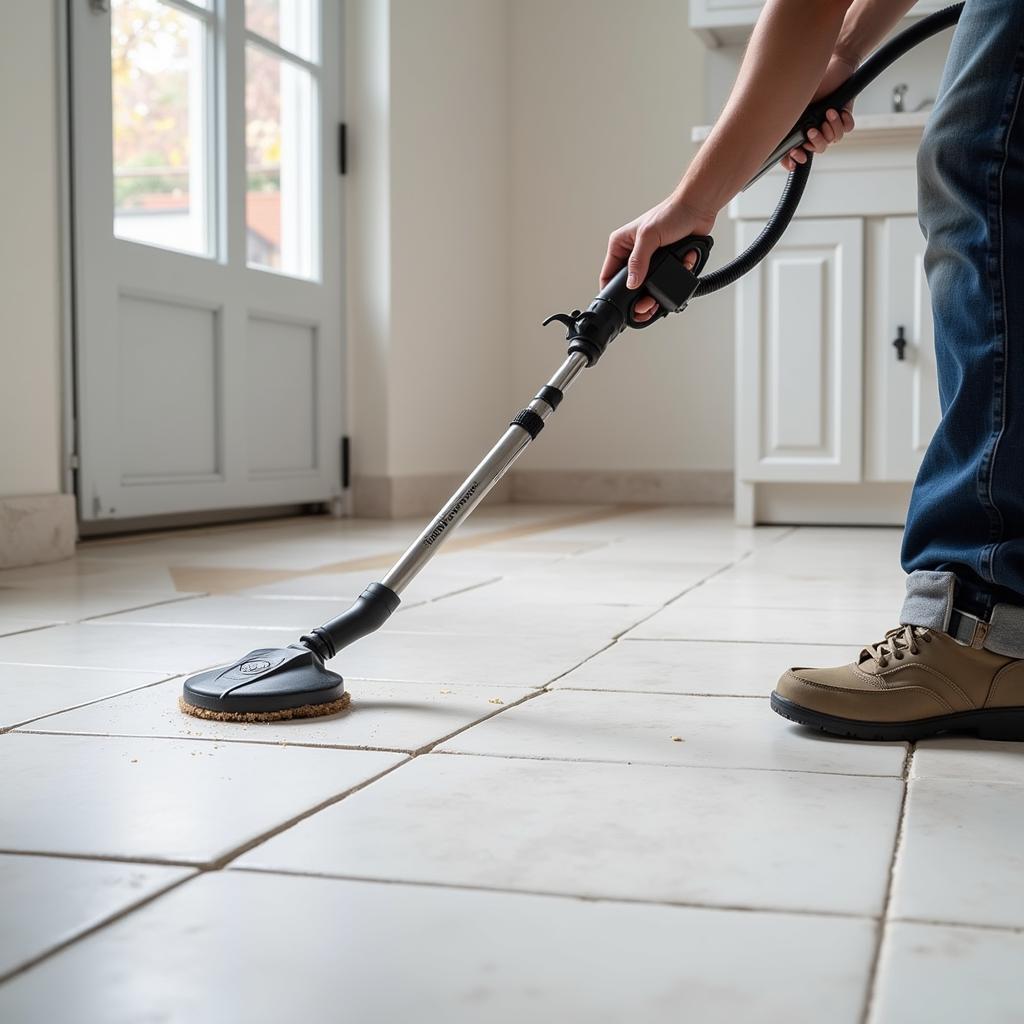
(687, 590)
(429, 747)
(223, 861)
(92, 929)
(220, 862)
(550, 894)
(111, 858)
(18, 726)
(938, 923)
(670, 765)
(722, 640)
(175, 599)
(216, 739)
(590, 657)
(30, 629)
(872, 990)
(662, 693)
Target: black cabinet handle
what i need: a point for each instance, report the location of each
(900, 344)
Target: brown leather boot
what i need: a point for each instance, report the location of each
(913, 684)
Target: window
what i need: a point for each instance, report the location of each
(163, 180)
(282, 141)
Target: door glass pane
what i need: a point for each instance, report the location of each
(289, 23)
(281, 148)
(161, 152)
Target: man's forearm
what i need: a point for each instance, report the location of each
(788, 52)
(866, 24)
(775, 85)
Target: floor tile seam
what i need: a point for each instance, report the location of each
(883, 922)
(170, 673)
(100, 624)
(19, 726)
(1005, 929)
(31, 629)
(841, 915)
(223, 861)
(428, 748)
(106, 858)
(720, 640)
(962, 783)
(606, 646)
(687, 590)
(218, 739)
(176, 599)
(667, 765)
(97, 926)
(404, 606)
(219, 863)
(427, 683)
(661, 693)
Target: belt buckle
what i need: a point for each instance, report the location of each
(978, 631)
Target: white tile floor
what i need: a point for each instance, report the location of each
(559, 794)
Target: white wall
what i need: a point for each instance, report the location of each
(29, 253)
(428, 220)
(604, 95)
(919, 70)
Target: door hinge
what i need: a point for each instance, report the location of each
(73, 462)
(345, 462)
(342, 148)
(100, 6)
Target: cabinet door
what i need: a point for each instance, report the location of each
(799, 355)
(902, 405)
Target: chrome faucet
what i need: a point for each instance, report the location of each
(898, 96)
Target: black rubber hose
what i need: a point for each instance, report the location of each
(797, 180)
(773, 230)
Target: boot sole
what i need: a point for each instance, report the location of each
(985, 723)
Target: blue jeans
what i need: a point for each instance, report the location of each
(966, 514)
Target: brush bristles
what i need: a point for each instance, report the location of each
(305, 711)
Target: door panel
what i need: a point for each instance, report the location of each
(799, 335)
(207, 254)
(902, 406)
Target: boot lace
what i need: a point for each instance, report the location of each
(897, 644)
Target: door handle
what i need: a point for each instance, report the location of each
(900, 344)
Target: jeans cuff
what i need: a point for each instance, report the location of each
(929, 604)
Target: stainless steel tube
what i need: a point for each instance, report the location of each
(476, 486)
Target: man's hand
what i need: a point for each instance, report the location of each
(837, 122)
(635, 242)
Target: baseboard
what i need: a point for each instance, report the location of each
(624, 486)
(37, 528)
(384, 497)
(861, 504)
(404, 497)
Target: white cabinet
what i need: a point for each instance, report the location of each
(901, 399)
(831, 425)
(799, 324)
(720, 22)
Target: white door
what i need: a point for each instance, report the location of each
(799, 321)
(207, 236)
(902, 398)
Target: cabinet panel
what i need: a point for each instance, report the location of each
(902, 402)
(799, 355)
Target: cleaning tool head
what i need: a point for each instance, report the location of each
(266, 685)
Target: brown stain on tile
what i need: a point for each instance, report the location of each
(211, 580)
(201, 579)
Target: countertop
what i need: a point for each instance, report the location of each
(869, 127)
